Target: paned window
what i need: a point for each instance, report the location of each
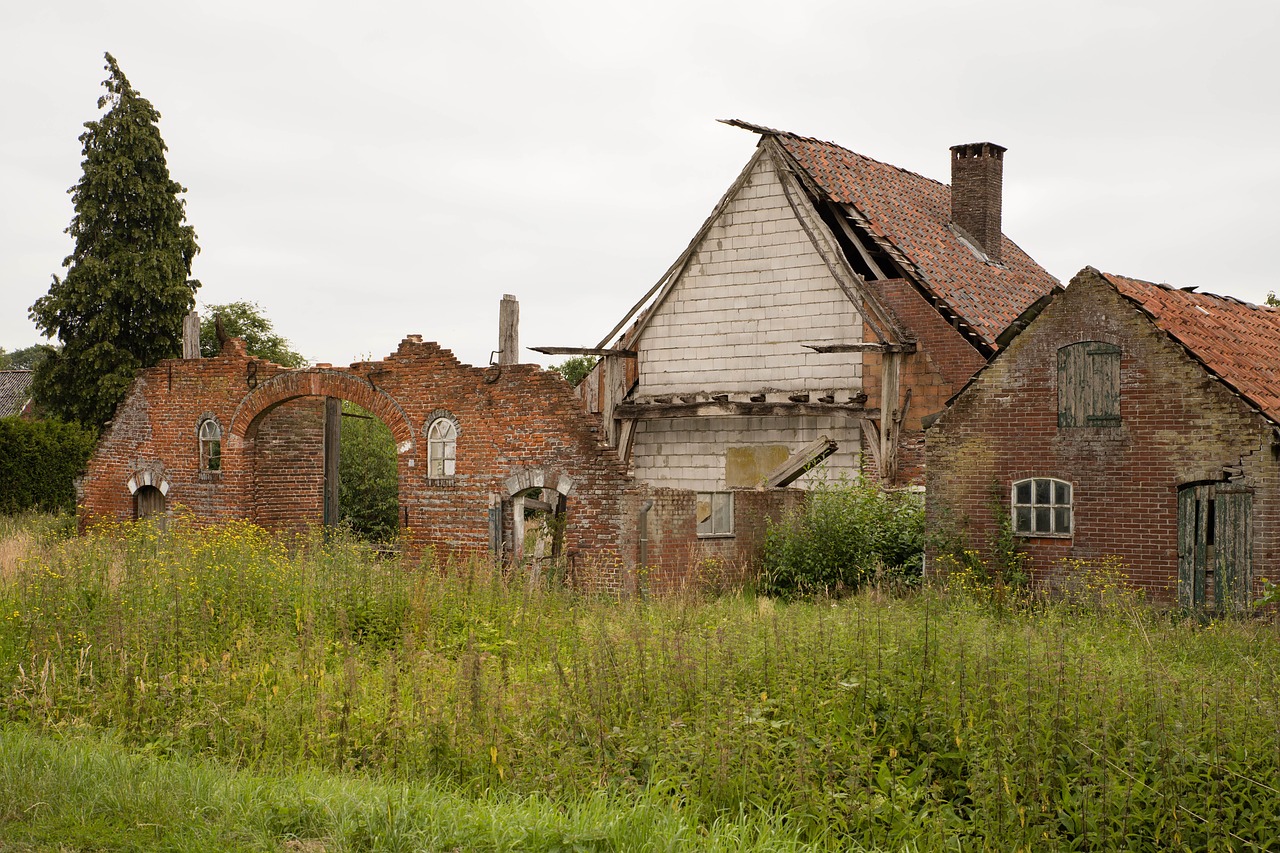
(715, 513)
(1042, 507)
(1089, 385)
(442, 448)
(210, 445)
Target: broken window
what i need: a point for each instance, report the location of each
(1042, 507)
(1089, 385)
(210, 445)
(442, 448)
(715, 513)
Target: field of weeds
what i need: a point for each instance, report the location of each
(932, 721)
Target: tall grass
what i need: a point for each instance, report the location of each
(872, 721)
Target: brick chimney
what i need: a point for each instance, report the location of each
(977, 176)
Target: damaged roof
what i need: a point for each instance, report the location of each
(15, 392)
(914, 214)
(1237, 341)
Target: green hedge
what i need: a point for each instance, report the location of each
(39, 460)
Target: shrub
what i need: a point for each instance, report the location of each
(39, 461)
(843, 535)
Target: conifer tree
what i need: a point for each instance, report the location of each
(127, 284)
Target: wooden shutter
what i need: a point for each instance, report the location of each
(1089, 384)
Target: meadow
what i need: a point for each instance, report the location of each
(223, 688)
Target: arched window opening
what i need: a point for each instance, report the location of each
(1042, 507)
(442, 448)
(210, 445)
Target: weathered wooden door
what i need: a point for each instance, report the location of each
(148, 501)
(1215, 538)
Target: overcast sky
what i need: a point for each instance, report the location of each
(367, 171)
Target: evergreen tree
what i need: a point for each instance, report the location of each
(127, 287)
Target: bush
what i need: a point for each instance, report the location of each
(39, 461)
(843, 536)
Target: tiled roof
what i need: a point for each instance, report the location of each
(914, 213)
(1238, 341)
(15, 391)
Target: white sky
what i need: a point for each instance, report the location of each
(367, 171)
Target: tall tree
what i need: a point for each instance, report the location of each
(127, 284)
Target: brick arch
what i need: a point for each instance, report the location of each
(538, 478)
(319, 382)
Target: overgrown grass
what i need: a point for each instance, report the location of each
(97, 794)
(872, 721)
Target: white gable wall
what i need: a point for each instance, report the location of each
(753, 293)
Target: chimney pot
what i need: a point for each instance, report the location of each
(977, 179)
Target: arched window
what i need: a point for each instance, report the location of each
(1042, 507)
(442, 448)
(210, 445)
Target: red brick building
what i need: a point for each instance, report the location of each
(1128, 419)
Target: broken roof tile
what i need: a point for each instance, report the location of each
(914, 213)
(1237, 341)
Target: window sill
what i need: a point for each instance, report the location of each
(1044, 535)
(715, 535)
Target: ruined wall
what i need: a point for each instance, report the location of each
(677, 559)
(1178, 426)
(517, 425)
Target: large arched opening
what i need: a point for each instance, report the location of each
(300, 432)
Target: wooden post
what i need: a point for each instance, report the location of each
(191, 335)
(332, 442)
(509, 330)
(890, 363)
(615, 372)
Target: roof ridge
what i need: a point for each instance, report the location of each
(773, 131)
(1192, 291)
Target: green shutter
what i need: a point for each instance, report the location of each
(1089, 384)
(1233, 546)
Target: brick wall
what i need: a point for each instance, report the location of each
(1178, 426)
(677, 559)
(516, 425)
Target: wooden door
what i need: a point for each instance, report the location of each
(148, 501)
(1215, 538)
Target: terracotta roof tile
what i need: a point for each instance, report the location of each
(914, 213)
(1238, 341)
(15, 391)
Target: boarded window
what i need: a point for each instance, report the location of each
(1089, 385)
(715, 513)
(1042, 507)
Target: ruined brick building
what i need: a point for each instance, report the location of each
(828, 308)
(1129, 419)
(238, 437)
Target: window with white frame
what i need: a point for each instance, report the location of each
(715, 513)
(210, 445)
(442, 448)
(1042, 507)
